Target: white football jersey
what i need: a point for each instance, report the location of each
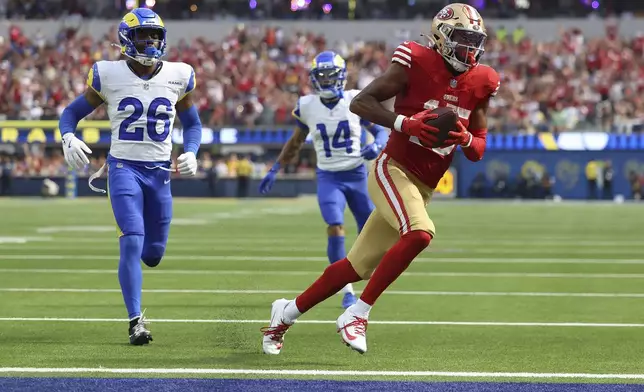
(335, 132)
(141, 112)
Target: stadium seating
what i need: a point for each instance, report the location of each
(546, 86)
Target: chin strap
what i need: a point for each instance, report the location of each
(134, 58)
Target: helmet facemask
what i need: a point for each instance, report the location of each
(329, 82)
(463, 48)
(148, 42)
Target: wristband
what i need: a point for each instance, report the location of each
(399, 122)
(469, 142)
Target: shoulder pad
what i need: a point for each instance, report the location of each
(485, 81)
(96, 76)
(490, 79)
(306, 100)
(185, 73)
(301, 107)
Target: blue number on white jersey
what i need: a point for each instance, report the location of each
(154, 115)
(336, 131)
(141, 112)
(342, 131)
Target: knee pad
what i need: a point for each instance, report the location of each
(152, 255)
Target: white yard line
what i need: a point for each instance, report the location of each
(392, 292)
(546, 275)
(324, 259)
(320, 240)
(319, 250)
(317, 372)
(374, 322)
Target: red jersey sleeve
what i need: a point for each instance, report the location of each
(491, 82)
(403, 55)
(488, 82)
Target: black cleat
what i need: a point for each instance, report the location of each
(139, 335)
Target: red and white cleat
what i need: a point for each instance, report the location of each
(353, 329)
(274, 333)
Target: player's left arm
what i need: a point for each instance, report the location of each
(381, 136)
(473, 139)
(475, 147)
(189, 116)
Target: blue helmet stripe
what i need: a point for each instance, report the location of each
(324, 57)
(141, 18)
(330, 86)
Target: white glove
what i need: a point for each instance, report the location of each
(187, 164)
(74, 150)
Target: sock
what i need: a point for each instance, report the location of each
(335, 251)
(130, 274)
(361, 308)
(291, 313)
(394, 262)
(134, 322)
(348, 289)
(335, 276)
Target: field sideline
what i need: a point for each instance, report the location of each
(514, 296)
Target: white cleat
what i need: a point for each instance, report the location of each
(353, 330)
(274, 333)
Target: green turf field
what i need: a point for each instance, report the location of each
(573, 272)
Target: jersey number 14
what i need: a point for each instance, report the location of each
(343, 131)
(153, 117)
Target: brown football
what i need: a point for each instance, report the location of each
(445, 122)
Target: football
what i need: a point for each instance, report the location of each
(445, 122)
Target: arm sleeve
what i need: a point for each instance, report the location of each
(191, 129)
(379, 133)
(73, 113)
(476, 149)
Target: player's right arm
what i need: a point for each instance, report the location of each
(367, 104)
(293, 146)
(395, 80)
(290, 150)
(74, 149)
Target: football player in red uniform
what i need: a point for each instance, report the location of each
(446, 73)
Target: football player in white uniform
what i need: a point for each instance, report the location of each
(336, 134)
(143, 95)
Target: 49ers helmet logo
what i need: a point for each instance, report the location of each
(445, 14)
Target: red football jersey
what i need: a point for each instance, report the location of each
(431, 85)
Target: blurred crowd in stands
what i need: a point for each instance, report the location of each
(254, 76)
(311, 9)
(37, 160)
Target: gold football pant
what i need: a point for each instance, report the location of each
(400, 201)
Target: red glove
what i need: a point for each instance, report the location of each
(461, 136)
(415, 126)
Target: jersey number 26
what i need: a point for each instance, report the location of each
(152, 118)
(342, 131)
